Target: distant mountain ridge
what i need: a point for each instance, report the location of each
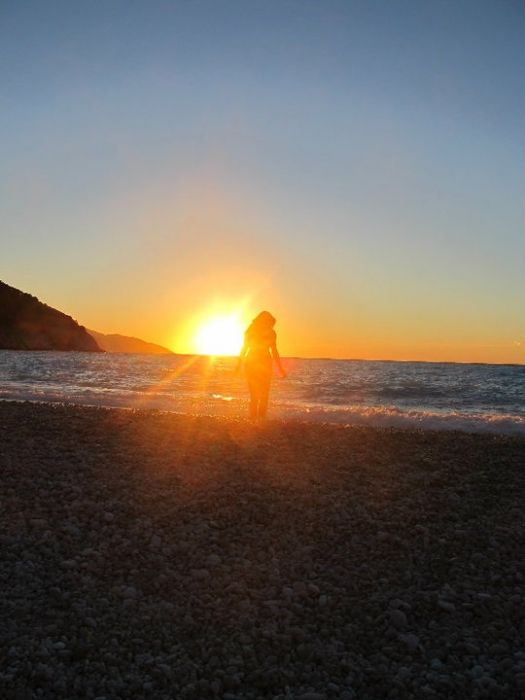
(114, 342)
(28, 324)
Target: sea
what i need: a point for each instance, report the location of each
(421, 395)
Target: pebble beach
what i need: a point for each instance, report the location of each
(146, 554)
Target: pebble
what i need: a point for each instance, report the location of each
(155, 542)
(411, 640)
(130, 592)
(300, 588)
(213, 560)
(398, 618)
(200, 574)
(347, 695)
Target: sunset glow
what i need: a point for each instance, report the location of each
(219, 335)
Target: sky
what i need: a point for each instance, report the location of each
(356, 167)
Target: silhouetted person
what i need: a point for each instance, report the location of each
(260, 346)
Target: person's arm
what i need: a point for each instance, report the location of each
(242, 355)
(277, 358)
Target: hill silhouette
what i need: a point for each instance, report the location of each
(115, 342)
(28, 324)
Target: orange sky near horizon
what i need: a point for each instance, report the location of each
(188, 259)
(302, 332)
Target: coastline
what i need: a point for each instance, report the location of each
(152, 554)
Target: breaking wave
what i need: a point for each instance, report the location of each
(390, 417)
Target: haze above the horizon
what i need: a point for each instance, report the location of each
(357, 168)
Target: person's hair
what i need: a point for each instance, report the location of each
(263, 321)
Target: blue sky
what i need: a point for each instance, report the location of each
(357, 166)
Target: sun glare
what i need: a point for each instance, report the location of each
(220, 335)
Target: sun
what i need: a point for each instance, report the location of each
(220, 335)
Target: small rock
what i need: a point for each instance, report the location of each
(398, 618)
(347, 695)
(403, 673)
(411, 640)
(299, 588)
(213, 560)
(200, 574)
(130, 592)
(39, 523)
(155, 542)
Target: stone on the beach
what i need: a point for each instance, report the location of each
(200, 574)
(398, 618)
(155, 542)
(411, 640)
(299, 588)
(213, 560)
(130, 592)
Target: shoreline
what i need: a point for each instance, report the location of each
(515, 431)
(149, 554)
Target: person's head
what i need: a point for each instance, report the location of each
(262, 322)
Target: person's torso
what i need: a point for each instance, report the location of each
(259, 346)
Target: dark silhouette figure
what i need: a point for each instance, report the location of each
(260, 346)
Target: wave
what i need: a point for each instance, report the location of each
(355, 415)
(391, 417)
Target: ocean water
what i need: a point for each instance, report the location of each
(446, 396)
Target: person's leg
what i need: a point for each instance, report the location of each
(254, 396)
(264, 396)
(263, 407)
